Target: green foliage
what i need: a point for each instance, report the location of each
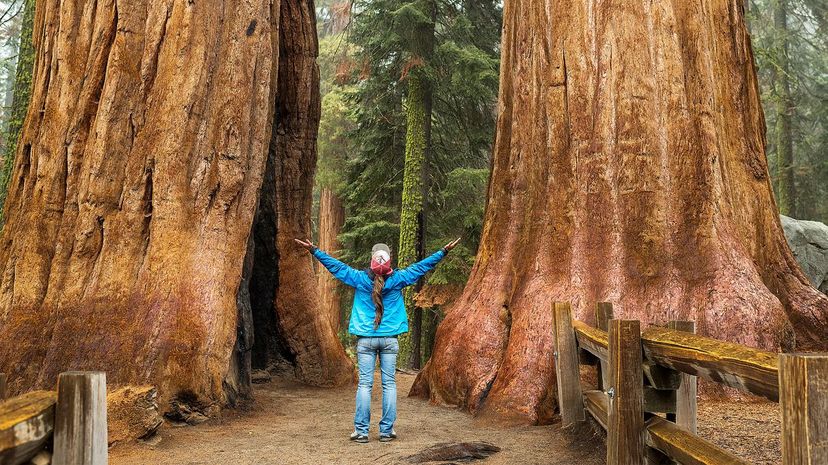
(450, 52)
(463, 75)
(798, 54)
(333, 141)
(365, 228)
(461, 203)
(409, 17)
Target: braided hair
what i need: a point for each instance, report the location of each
(376, 296)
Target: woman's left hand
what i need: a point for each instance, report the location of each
(451, 245)
(306, 244)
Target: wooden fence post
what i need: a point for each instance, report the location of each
(80, 419)
(2, 386)
(570, 398)
(603, 314)
(625, 432)
(803, 401)
(686, 407)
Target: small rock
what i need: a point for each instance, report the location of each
(42, 458)
(187, 410)
(809, 243)
(259, 377)
(153, 440)
(179, 413)
(196, 418)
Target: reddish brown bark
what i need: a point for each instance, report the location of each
(630, 167)
(331, 219)
(134, 190)
(315, 351)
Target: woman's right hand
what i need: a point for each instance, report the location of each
(305, 244)
(451, 245)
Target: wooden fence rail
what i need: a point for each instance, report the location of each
(645, 373)
(71, 422)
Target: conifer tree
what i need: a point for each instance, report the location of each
(20, 99)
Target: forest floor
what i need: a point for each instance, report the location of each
(294, 424)
(750, 430)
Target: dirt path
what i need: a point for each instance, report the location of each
(294, 424)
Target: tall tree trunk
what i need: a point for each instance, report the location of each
(20, 99)
(141, 161)
(629, 167)
(331, 219)
(417, 144)
(784, 107)
(315, 351)
(412, 204)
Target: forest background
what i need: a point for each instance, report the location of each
(409, 92)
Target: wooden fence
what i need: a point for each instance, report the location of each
(71, 423)
(644, 374)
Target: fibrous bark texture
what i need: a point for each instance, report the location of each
(629, 167)
(331, 219)
(135, 185)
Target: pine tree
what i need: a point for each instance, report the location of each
(418, 20)
(20, 100)
(784, 108)
(790, 38)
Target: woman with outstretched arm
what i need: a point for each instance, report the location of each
(378, 317)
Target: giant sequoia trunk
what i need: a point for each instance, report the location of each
(154, 129)
(630, 167)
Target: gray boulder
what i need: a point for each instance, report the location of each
(809, 242)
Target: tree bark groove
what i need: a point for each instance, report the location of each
(629, 167)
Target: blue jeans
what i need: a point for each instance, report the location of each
(367, 350)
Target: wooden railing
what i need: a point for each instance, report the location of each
(70, 422)
(644, 374)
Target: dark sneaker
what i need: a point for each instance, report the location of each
(388, 437)
(360, 438)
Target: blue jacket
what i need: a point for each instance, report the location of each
(394, 318)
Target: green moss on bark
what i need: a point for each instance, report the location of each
(412, 197)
